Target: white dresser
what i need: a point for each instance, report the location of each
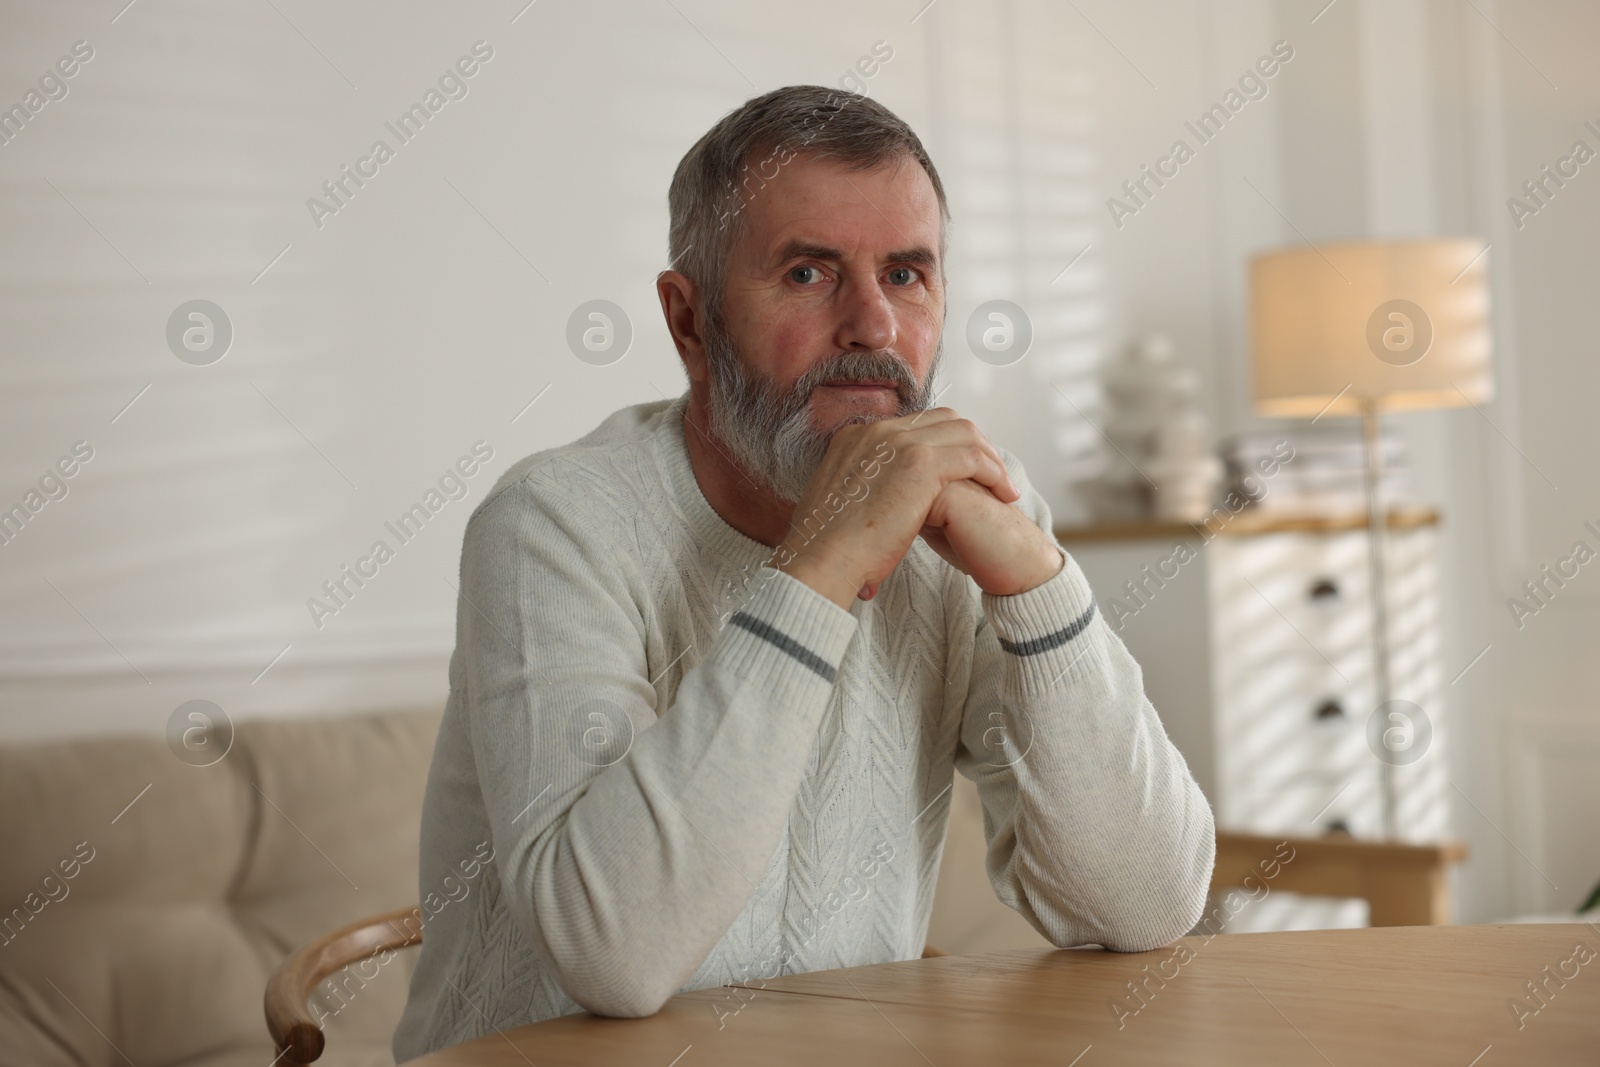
(1278, 733)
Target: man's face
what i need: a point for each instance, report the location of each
(834, 310)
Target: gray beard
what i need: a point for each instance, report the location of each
(768, 431)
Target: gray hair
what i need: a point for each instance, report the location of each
(713, 181)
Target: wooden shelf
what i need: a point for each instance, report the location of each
(1403, 884)
(1246, 523)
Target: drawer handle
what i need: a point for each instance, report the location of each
(1324, 589)
(1329, 709)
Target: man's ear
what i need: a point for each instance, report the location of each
(680, 303)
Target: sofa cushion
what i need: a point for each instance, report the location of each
(147, 932)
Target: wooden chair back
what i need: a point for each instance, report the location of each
(293, 1027)
(290, 1021)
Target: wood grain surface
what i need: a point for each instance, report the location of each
(1398, 995)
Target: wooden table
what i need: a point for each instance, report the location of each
(1400, 995)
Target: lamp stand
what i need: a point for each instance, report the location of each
(1377, 532)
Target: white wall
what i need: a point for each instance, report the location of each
(1519, 481)
(419, 319)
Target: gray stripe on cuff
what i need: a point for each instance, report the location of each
(1049, 641)
(786, 643)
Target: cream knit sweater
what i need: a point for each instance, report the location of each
(691, 769)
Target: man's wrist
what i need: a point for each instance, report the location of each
(819, 572)
(1048, 570)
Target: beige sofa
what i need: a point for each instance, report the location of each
(146, 935)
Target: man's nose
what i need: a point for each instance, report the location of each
(867, 318)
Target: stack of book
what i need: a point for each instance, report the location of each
(1316, 470)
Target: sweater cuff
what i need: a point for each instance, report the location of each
(788, 629)
(1044, 632)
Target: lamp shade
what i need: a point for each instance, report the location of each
(1395, 325)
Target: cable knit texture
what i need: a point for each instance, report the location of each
(692, 769)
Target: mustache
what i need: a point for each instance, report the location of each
(870, 367)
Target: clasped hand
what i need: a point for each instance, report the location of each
(931, 475)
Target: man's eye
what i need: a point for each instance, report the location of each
(902, 276)
(795, 274)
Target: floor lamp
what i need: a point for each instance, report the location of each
(1364, 328)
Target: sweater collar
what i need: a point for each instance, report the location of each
(708, 527)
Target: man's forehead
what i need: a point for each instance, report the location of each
(823, 209)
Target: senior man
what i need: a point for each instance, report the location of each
(718, 660)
